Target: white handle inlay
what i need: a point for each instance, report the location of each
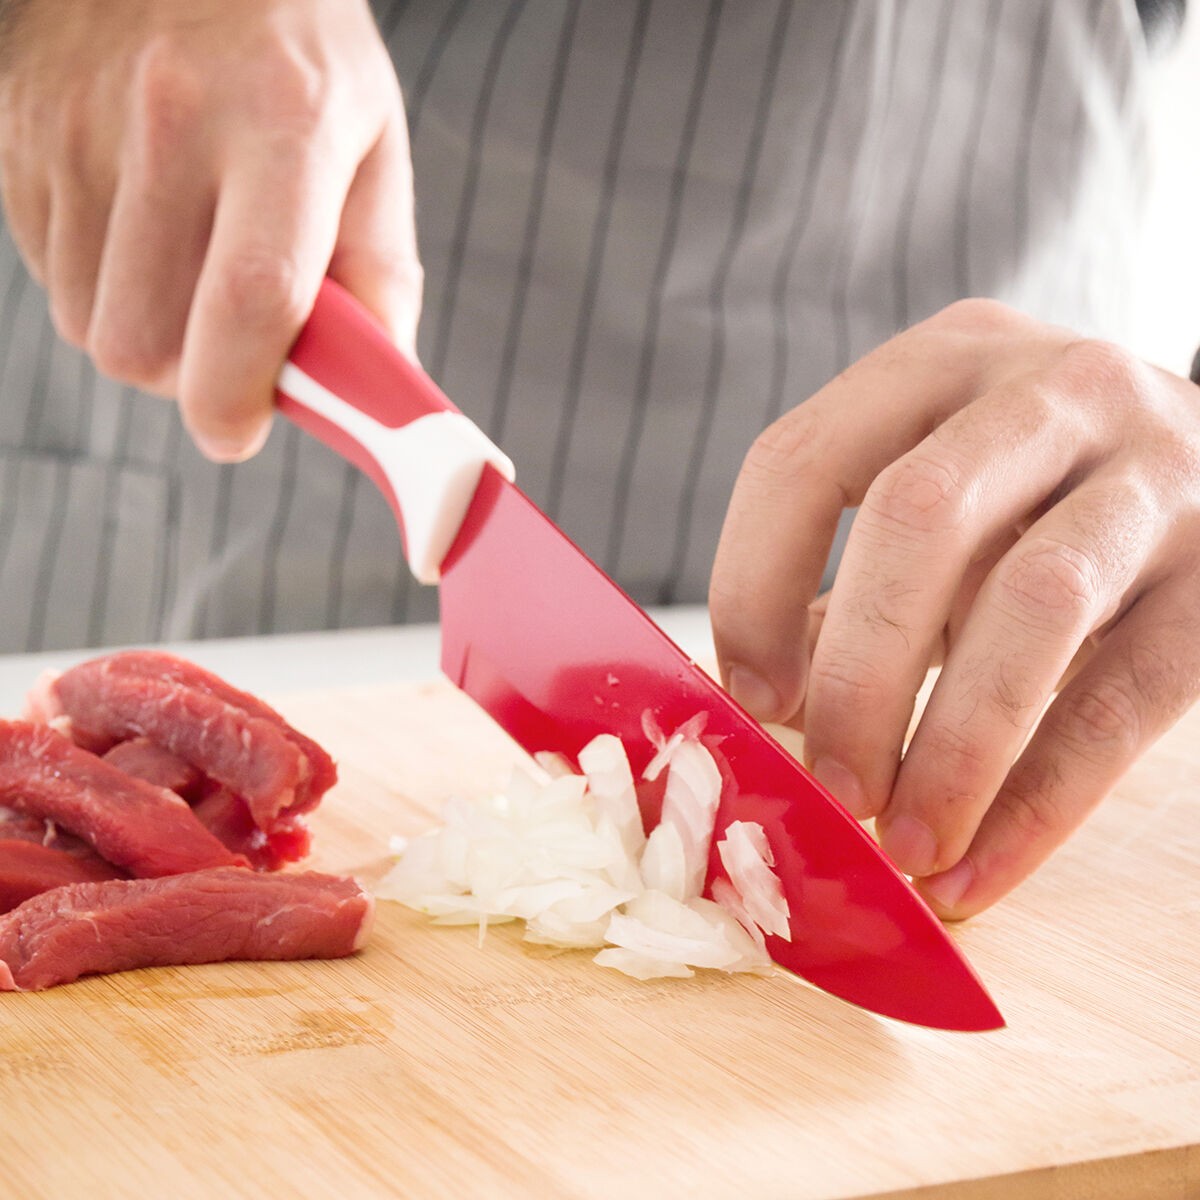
(433, 465)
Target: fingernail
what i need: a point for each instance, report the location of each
(910, 844)
(231, 450)
(755, 694)
(843, 785)
(948, 888)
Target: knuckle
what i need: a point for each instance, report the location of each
(846, 682)
(397, 265)
(263, 289)
(978, 316)
(144, 355)
(781, 449)
(1167, 682)
(1102, 719)
(1050, 583)
(1036, 406)
(1091, 366)
(1031, 810)
(784, 450)
(960, 756)
(291, 91)
(126, 359)
(918, 495)
(1013, 695)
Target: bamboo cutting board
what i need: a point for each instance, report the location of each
(429, 1067)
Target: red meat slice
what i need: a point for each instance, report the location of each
(28, 868)
(158, 664)
(205, 916)
(25, 827)
(35, 856)
(231, 736)
(147, 830)
(145, 760)
(228, 818)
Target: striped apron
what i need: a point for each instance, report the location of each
(649, 227)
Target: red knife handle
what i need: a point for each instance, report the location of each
(348, 385)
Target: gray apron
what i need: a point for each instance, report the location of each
(649, 227)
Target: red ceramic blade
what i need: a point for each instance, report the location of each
(557, 653)
(544, 641)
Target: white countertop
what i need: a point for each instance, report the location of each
(303, 661)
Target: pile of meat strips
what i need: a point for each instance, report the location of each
(146, 808)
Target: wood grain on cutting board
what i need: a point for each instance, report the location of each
(428, 1066)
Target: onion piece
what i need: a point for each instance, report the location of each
(701, 921)
(554, 764)
(417, 873)
(664, 863)
(689, 731)
(662, 928)
(728, 897)
(549, 929)
(641, 966)
(610, 782)
(621, 870)
(690, 802)
(747, 857)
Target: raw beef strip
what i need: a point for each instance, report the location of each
(205, 916)
(233, 738)
(26, 827)
(28, 868)
(140, 757)
(227, 817)
(156, 663)
(146, 830)
(35, 856)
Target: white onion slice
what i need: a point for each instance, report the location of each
(621, 869)
(417, 873)
(610, 782)
(699, 920)
(549, 929)
(664, 862)
(669, 947)
(690, 802)
(641, 966)
(688, 732)
(746, 855)
(554, 764)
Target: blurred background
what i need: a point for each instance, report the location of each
(1167, 325)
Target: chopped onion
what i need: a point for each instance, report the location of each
(728, 897)
(548, 929)
(664, 863)
(553, 763)
(610, 782)
(567, 854)
(746, 855)
(641, 966)
(690, 802)
(689, 731)
(669, 947)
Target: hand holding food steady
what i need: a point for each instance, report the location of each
(1030, 513)
(181, 174)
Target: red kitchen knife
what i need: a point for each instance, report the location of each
(553, 649)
